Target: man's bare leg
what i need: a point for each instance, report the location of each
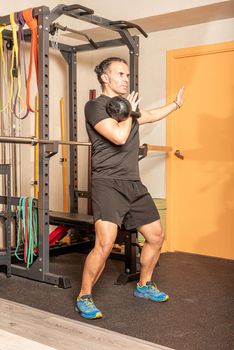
(106, 233)
(149, 256)
(154, 236)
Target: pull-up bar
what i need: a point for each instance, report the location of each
(56, 26)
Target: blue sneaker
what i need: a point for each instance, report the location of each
(86, 307)
(150, 291)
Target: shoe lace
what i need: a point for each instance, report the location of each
(89, 303)
(153, 286)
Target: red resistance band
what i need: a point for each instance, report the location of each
(32, 24)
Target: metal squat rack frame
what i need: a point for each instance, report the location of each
(5, 255)
(39, 270)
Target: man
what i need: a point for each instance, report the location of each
(118, 196)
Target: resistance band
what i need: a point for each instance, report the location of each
(19, 20)
(32, 24)
(27, 232)
(15, 65)
(3, 66)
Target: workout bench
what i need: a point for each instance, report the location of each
(84, 223)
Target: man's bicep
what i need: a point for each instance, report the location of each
(107, 128)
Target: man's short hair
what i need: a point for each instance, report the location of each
(104, 65)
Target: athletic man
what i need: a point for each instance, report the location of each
(118, 196)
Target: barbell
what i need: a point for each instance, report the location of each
(34, 141)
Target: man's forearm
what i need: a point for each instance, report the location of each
(157, 114)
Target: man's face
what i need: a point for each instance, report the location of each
(116, 79)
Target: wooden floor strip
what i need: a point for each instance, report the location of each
(23, 327)
(9, 341)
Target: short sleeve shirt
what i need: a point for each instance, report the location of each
(108, 159)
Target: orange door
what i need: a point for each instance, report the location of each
(200, 188)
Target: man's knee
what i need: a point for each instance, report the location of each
(153, 233)
(162, 236)
(106, 233)
(104, 248)
(157, 236)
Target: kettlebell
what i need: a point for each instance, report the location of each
(119, 108)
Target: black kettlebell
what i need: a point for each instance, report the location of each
(119, 108)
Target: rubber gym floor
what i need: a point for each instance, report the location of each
(199, 314)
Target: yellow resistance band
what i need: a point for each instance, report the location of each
(2, 27)
(15, 59)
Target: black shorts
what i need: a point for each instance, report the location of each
(124, 202)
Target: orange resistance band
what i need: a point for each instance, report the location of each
(32, 24)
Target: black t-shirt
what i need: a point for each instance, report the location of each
(110, 160)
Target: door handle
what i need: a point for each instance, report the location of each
(178, 154)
